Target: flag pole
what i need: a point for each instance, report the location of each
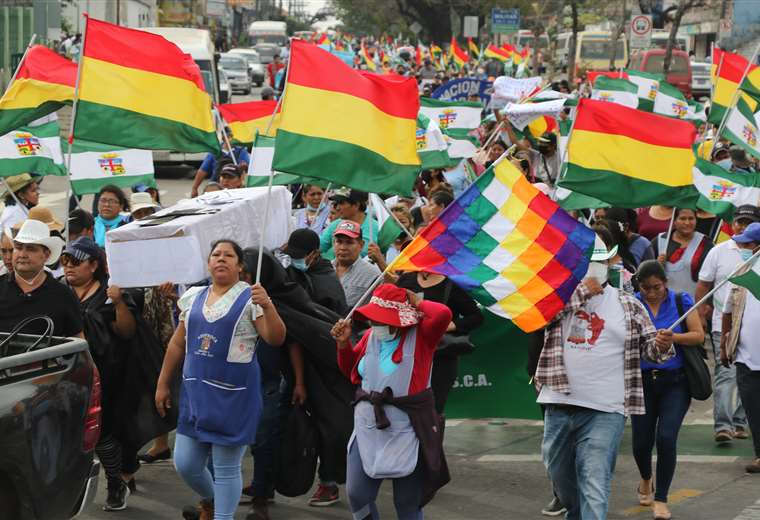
(670, 230)
(23, 57)
(75, 104)
(265, 223)
(225, 137)
(737, 92)
(717, 286)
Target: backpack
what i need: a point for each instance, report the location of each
(297, 458)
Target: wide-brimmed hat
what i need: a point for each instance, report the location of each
(141, 200)
(17, 183)
(44, 214)
(390, 305)
(36, 232)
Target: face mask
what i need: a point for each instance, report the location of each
(725, 164)
(597, 270)
(382, 333)
(746, 254)
(299, 263)
(312, 208)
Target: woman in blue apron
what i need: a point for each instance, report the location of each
(220, 402)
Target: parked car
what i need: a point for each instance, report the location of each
(49, 426)
(255, 67)
(680, 67)
(224, 88)
(700, 80)
(235, 67)
(267, 51)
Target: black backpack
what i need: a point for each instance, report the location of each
(297, 463)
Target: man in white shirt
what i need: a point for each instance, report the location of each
(729, 419)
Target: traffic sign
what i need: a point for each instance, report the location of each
(641, 31)
(505, 21)
(470, 27)
(415, 27)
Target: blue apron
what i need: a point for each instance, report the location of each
(220, 401)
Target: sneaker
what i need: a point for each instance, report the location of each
(723, 436)
(740, 433)
(147, 458)
(203, 511)
(554, 508)
(324, 496)
(259, 510)
(117, 497)
(248, 494)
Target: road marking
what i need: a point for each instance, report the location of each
(536, 457)
(510, 458)
(750, 513)
(679, 495)
(450, 423)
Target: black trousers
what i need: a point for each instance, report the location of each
(748, 383)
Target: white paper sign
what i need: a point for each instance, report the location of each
(522, 114)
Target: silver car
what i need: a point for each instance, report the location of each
(700, 80)
(255, 67)
(235, 67)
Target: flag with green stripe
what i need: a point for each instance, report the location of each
(742, 128)
(94, 165)
(616, 90)
(721, 191)
(35, 148)
(389, 229)
(431, 144)
(750, 279)
(456, 119)
(647, 84)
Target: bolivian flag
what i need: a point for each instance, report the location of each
(473, 48)
(368, 60)
(459, 56)
(138, 90)
(497, 53)
(726, 73)
(246, 119)
(630, 158)
(353, 128)
(44, 83)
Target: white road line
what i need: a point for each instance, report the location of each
(510, 458)
(450, 423)
(750, 513)
(536, 457)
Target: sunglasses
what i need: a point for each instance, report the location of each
(70, 261)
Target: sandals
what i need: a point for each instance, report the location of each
(645, 499)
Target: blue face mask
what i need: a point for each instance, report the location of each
(725, 164)
(746, 254)
(299, 263)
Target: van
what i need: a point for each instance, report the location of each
(680, 67)
(525, 37)
(592, 51)
(198, 44)
(563, 49)
(660, 41)
(267, 37)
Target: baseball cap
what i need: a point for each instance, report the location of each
(548, 138)
(349, 195)
(302, 242)
(720, 147)
(751, 234)
(747, 211)
(83, 248)
(348, 228)
(79, 220)
(230, 169)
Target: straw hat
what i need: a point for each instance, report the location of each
(141, 200)
(17, 182)
(36, 232)
(45, 215)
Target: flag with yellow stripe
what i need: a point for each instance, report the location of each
(353, 128)
(630, 158)
(139, 90)
(249, 118)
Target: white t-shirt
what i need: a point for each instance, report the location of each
(719, 263)
(11, 216)
(594, 353)
(748, 346)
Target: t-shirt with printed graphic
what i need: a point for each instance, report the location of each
(594, 338)
(244, 340)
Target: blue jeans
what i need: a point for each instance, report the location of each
(667, 398)
(579, 449)
(362, 491)
(191, 458)
(726, 415)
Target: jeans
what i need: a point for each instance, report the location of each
(748, 382)
(362, 491)
(726, 415)
(190, 459)
(579, 449)
(266, 445)
(667, 398)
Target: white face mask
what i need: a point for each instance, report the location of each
(382, 332)
(746, 254)
(597, 270)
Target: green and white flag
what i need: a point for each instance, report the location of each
(35, 148)
(648, 84)
(261, 165)
(750, 279)
(456, 119)
(431, 144)
(697, 113)
(616, 90)
(742, 128)
(721, 191)
(94, 165)
(572, 200)
(670, 102)
(389, 228)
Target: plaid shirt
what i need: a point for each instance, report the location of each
(639, 340)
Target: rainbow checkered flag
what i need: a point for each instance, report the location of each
(513, 249)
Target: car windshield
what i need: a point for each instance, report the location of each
(232, 63)
(678, 64)
(600, 49)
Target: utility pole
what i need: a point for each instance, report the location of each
(118, 12)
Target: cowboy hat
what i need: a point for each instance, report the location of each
(141, 200)
(36, 232)
(390, 305)
(17, 182)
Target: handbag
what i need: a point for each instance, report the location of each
(694, 365)
(297, 457)
(453, 344)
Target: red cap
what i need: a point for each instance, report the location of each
(348, 228)
(390, 305)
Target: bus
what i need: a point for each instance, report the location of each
(267, 37)
(525, 37)
(660, 41)
(593, 51)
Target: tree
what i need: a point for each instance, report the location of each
(625, 14)
(573, 42)
(683, 6)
